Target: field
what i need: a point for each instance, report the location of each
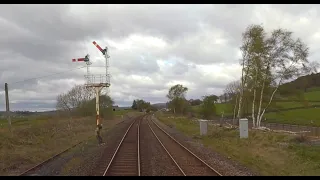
(302, 116)
(266, 153)
(220, 107)
(35, 139)
(299, 117)
(313, 94)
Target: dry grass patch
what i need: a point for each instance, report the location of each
(35, 140)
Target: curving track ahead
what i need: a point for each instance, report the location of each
(126, 158)
(186, 161)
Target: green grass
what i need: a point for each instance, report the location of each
(227, 108)
(220, 108)
(313, 89)
(298, 116)
(122, 112)
(286, 105)
(312, 96)
(266, 153)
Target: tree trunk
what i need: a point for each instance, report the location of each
(246, 111)
(235, 108)
(239, 107)
(253, 102)
(255, 85)
(240, 101)
(241, 89)
(260, 103)
(270, 100)
(272, 95)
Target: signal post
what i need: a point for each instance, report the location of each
(98, 82)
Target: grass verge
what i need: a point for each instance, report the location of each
(35, 140)
(264, 152)
(308, 117)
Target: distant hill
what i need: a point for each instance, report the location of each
(303, 83)
(127, 107)
(160, 105)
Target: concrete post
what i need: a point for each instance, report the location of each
(203, 127)
(243, 128)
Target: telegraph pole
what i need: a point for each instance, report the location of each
(7, 104)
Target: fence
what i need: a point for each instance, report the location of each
(308, 130)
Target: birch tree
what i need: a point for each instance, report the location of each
(286, 59)
(255, 48)
(269, 62)
(245, 63)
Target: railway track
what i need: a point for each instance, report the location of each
(186, 161)
(126, 158)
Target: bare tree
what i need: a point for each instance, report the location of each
(233, 89)
(74, 98)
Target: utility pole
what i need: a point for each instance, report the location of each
(7, 104)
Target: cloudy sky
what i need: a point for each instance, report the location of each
(152, 47)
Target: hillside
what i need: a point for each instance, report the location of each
(297, 102)
(304, 83)
(294, 112)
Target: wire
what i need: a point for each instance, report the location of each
(47, 75)
(40, 77)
